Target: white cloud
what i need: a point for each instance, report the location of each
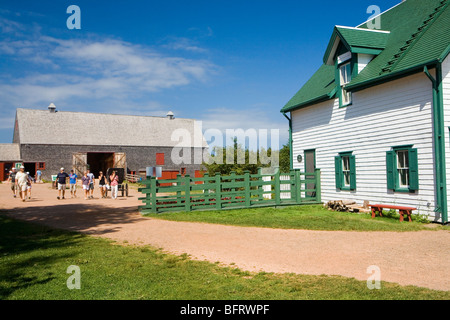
(97, 71)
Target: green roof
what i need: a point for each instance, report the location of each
(419, 35)
(356, 40)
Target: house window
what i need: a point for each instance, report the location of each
(345, 170)
(345, 72)
(160, 159)
(402, 169)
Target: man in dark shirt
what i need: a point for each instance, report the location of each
(12, 180)
(61, 181)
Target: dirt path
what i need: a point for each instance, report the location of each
(408, 258)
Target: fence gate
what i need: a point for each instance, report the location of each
(79, 163)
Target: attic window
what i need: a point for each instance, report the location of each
(345, 72)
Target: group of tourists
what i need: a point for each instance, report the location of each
(21, 183)
(88, 183)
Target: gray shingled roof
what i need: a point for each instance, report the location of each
(79, 128)
(9, 152)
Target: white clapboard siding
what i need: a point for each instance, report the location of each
(381, 117)
(363, 60)
(446, 93)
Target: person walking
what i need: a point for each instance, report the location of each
(91, 183)
(12, 180)
(38, 176)
(85, 181)
(29, 182)
(73, 179)
(102, 184)
(61, 180)
(21, 182)
(114, 183)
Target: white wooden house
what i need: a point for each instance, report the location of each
(375, 117)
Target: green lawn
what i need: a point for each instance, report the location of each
(312, 217)
(34, 260)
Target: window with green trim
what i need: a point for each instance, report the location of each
(402, 169)
(345, 73)
(345, 171)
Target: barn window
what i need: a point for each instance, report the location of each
(160, 159)
(41, 165)
(402, 169)
(345, 171)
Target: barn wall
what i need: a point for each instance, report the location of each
(57, 156)
(392, 114)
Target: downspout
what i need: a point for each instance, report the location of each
(439, 142)
(291, 151)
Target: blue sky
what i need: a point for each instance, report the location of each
(231, 64)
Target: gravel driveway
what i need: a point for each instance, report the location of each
(408, 258)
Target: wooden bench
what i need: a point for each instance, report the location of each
(401, 210)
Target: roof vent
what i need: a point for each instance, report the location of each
(52, 108)
(170, 115)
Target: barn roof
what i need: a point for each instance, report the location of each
(80, 128)
(9, 152)
(414, 34)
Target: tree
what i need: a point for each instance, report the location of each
(285, 158)
(218, 162)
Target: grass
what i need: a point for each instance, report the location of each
(34, 260)
(312, 217)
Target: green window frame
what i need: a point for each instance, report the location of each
(345, 76)
(345, 171)
(345, 72)
(402, 169)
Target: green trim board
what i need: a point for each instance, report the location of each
(439, 142)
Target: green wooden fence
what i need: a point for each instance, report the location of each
(230, 192)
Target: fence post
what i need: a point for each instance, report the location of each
(179, 198)
(218, 191)
(247, 188)
(277, 186)
(298, 186)
(187, 193)
(206, 175)
(292, 181)
(153, 191)
(318, 187)
(233, 190)
(260, 187)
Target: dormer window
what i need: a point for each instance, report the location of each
(345, 71)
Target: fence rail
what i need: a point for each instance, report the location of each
(230, 192)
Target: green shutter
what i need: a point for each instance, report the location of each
(390, 169)
(338, 171)
(413, 170)
(352, 173)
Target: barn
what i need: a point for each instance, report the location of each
(375, 117)
(50, 139)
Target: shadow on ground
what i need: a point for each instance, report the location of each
(87, 218)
